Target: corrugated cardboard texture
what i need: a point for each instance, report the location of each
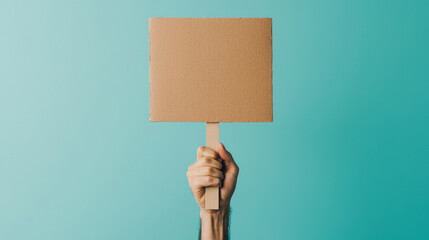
(210, 69)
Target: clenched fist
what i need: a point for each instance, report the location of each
(213, 169)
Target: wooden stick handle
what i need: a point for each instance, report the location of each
(212, 141)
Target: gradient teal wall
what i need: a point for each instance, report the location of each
(345, 158)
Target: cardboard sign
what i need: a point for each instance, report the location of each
(210, 69)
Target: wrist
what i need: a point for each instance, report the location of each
(214, 223)
(221, 212)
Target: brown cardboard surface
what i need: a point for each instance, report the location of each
(210, 69)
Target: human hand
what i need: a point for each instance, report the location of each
(212, 169)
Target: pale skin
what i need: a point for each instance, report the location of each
(213, 169)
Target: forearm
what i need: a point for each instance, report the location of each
(214, 224)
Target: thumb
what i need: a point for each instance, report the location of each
(224, 154)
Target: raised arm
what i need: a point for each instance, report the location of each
(213, 169)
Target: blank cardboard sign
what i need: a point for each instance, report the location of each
(210, 69)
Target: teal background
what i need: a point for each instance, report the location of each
(345, 158)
